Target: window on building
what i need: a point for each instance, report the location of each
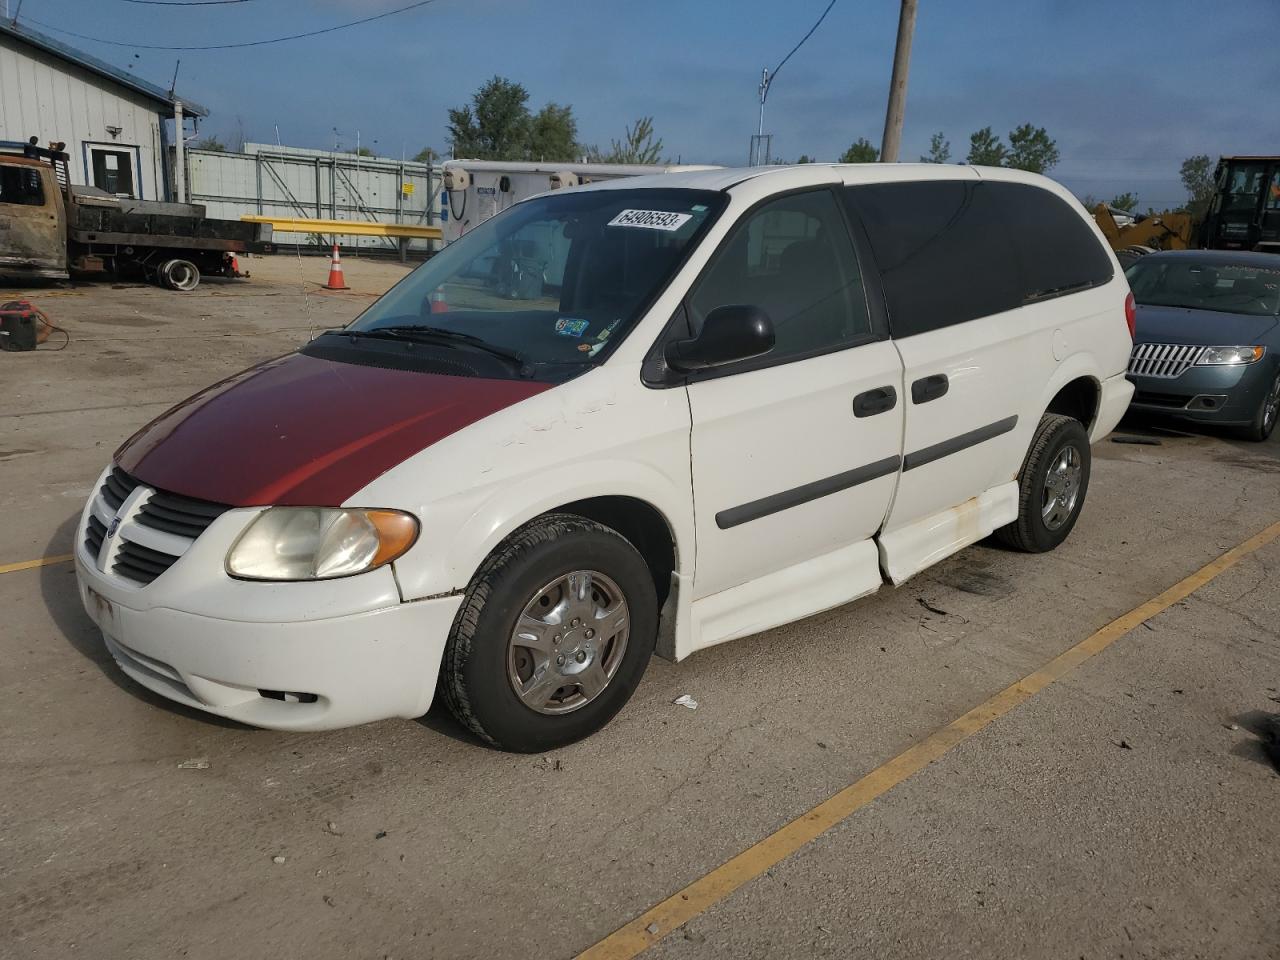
(113, 171)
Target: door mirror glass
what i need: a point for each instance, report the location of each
(729, 334)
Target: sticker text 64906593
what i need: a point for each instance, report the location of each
(651, 219)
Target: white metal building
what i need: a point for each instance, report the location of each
(113, 123)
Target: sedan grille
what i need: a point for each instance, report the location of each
(139, 556)
(1164, 361)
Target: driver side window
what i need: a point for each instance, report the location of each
(792, 258)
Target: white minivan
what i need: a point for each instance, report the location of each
(643, 416)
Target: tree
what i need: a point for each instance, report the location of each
(1031, 148)
(209, 143)
(426, 155)
(639, 146)
(495, 125)
(860, 151)
(939, 149)
(1089, 201)
(1197, 177)
(985, 149)
(363, 152)
(805, 158)
(553, 134)
(1127, 202)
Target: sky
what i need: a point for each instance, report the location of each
(1128, 89)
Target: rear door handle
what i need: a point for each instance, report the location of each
(878, 400)
(930, 388)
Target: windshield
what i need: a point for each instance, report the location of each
(555, 280)
(1227, 288)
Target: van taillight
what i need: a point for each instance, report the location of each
(1131, 315)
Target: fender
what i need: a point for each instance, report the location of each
(484, 522)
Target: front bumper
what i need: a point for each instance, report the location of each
(1227, 394)
(287, 656)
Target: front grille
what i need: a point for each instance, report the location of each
(141, 564)
(138, 556)
(117, 487)
(181, 515)
(93, 534)
(1163, 361)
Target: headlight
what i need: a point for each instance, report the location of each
(319, 543)
(1221, 355)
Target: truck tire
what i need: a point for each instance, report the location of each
(556, 631)
(1051, 486)
(179, 275)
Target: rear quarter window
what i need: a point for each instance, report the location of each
(1059, 253)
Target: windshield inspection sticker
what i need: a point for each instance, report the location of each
(569, 327)
(651, 220)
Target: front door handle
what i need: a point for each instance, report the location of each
(870, 402)
(929, 388)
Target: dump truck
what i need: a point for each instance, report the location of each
(51, 228)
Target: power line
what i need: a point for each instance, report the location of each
(805, 37)
(184, 3)
(230, 46)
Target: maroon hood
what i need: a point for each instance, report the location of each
(304, 431)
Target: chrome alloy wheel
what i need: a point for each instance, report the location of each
(568, 642)
(1061, 488)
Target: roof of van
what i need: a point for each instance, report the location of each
(723, 178)
(583, 169)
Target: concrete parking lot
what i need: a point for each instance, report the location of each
(1125, 809)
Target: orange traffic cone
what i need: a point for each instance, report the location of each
(438, 302)
(336, 280)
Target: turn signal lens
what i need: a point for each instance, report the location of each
(319, 543)
(1216, 356)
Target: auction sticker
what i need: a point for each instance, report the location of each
(651, 219)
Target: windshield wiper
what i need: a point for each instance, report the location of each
(1057, 291)
(413, 333)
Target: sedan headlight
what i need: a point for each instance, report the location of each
(1221, 355)
(319, 543)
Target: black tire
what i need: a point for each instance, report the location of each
(474, 672)
(1264, 421)
(1030, 533)
(180, 275)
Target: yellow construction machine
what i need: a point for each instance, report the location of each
(1161, 231)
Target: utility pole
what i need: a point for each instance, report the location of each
(893, 118)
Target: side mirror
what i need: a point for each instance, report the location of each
(729, 334)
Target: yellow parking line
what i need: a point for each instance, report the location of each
(658, 921)
(31, 564)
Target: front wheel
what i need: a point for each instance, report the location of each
(1051, 486)
(1264, 421)
(553, 637)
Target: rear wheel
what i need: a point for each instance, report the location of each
(1051, 486)
(1264, 421)
(553, 637)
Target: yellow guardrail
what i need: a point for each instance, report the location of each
(363, 228)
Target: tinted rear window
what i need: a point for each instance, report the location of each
(950, 251)
(1057, 252)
